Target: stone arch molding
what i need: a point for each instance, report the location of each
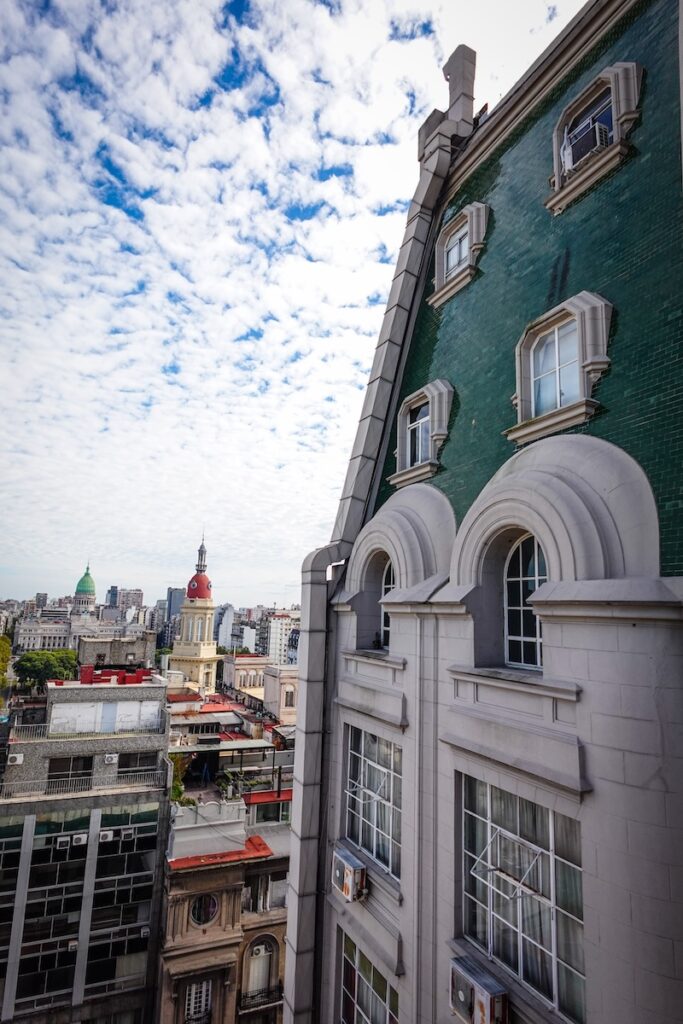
(589, 504)
(416, 529)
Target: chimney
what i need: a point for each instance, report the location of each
(459, 73)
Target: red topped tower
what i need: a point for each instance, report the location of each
(194, 652)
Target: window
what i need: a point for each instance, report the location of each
(277, 811)
(204, 909)
(258, 966)
(589, 140)
(373, 798)
(457, 250)
(559, 359)
(388, 584)
(523, 902)
(198, 1003)
(367, 998)
(524, 573)
(289, 697)
(422, 428)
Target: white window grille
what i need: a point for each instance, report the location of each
(198, 1003)
(522, 892)
(366, 996)
(457, 251)
(388, 584)
(555, 369)
(525, 571)
(418, 434)
(373, 798)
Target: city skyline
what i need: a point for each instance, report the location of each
(202, 212)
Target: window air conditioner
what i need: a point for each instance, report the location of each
(15, 759)
(259, 950)
(127, 833)
(111, 758)
(81, 839)
(348, 875)
(73, 945)
(476, 996)
(106, 835)
(582, 143)
(144, 933)
(63, 842)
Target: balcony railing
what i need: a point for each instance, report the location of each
(24, 733)
(79, 784)
(260, 998)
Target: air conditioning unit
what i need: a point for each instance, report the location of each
(111, 758)
(144, 933)
(127, 833)
(15, 759)
(73, 945)
(63, 842)
(476, 996)
(106, 835)
(259, 950)
(579, 146)
(348, 875)
(80, 839)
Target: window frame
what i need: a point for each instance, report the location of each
(438, 396)
(387, 587)
(358, 796)
(537, 639)
(472, 220)
(356, 974)
(623, 79)
(510, 910)
(592, 314)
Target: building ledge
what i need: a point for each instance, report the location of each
(413, 474)
(592, 170)
(516, 679)
(452, 286)
(550, 422)
(375, 657)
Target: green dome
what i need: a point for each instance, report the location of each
(86, 584)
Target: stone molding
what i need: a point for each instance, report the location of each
(439, 395)
(475, 216)
(587, 502)
(592, 315)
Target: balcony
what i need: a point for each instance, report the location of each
(260, 999)
(28, 733)
(79, 784)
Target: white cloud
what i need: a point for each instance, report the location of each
(194, 240)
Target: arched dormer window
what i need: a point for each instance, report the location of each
(525, 571)
(388, 584)
(260, 968)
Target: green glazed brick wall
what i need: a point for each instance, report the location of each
(622, 240)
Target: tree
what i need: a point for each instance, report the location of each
(180, 762)
(5, 655)
(39, 666)
(159, 652)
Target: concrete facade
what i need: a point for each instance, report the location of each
(515, 815)
(280, 689)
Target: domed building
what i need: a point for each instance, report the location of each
(84, 598)
(194, 652)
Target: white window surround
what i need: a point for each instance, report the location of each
(592, 314)
(439, 395)
(474, 218)
(624, 81)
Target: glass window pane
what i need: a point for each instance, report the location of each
(514, 593)
(569, 384)
(567, 342)
(528, 553)
(476, 834)
(474, 885)
(568, 839)
(514, 623)
(384, 753)
(379, 984)
(571, 995)
(570, 941)
(504, 809)
(504, 943)
(536, 921)
(534, 822)
(544, 354)
(365, 966)
(537, 968)
(505, 907)
(475, 796)
(475, 922)
(568, 889)
(531, 655)
(545, 394)
(515, 652)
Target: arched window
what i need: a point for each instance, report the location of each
(388, 583)
(525, 571)
(258, 965)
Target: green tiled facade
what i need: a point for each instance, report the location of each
(622, 240)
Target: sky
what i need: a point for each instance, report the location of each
(200, 208)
